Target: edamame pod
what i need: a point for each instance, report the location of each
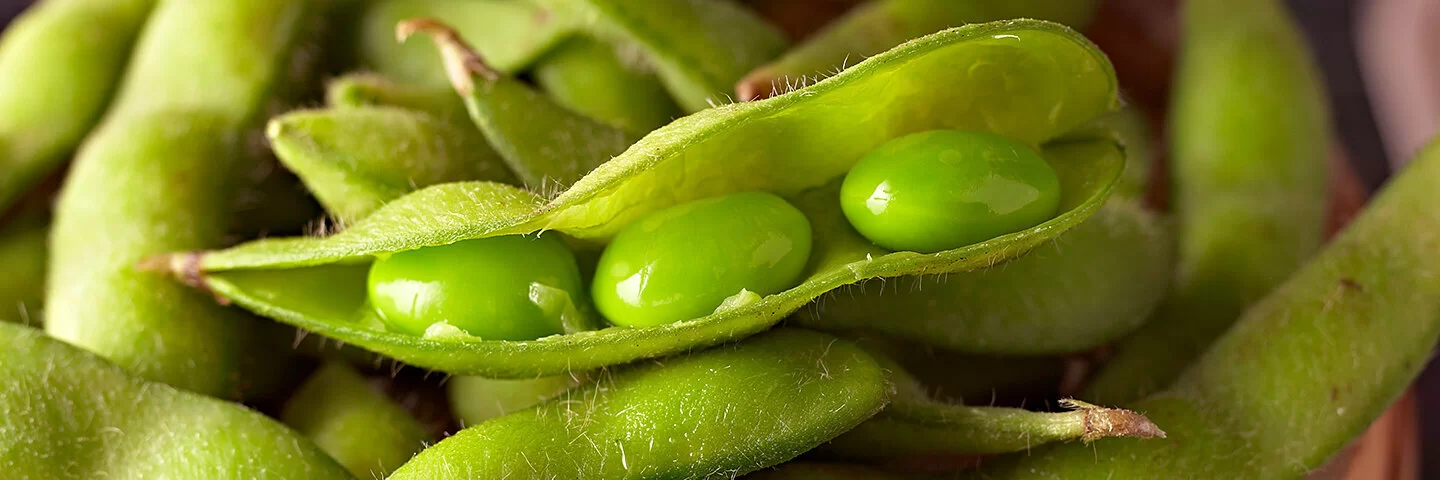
(1091, 286)
(61, 62)
(1306, 369)
(914, 425)
(1249, 122)
(546, 145)
(360, 90)
(511, 33)
(71, 414)
(356, 159)
(173, 137)
(881, 24)
(357, 426)
(22, 287)
(477, 399)
(754, 146)
(591, 77)
(719, 412)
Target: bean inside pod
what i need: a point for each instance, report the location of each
(1041, 81)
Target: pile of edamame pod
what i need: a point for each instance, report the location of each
(664, 239)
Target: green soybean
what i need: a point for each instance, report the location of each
(476, 399)
(1249, 183)
(22, 287)
(945, 189)
(590, 77)
(173, 138)
(500, 288)
(878, 25)
(684, 261)
(1306, 369)
(357, 426)
(66, 413)
(319, 283)
(720, 412)
(356, 159)
(61, 61)
(1088, 288)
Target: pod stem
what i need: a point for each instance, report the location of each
(462, 62)
(185, 267)
(1102, 422)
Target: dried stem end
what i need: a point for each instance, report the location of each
(1102, 422)
(462, 63)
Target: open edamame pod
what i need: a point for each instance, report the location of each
(61, 62)
(1040, 81)
(156, 176)
(1248, 124)
(881, 24)
(914, 425)
(1087, 288)
(71, 414)
(1306, 369)
(356, 425)
(719, 412)
(356, 159)
(22, 287)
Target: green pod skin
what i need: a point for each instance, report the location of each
(174, 137)
(1088, 288)
(916, 426)
(589, 77)
(501, 288)
(318, 284)
(945, 189)
(879, 25)
(360, 90)
(66, 413)
(474, 400)
(719, 412)
(1251, 159)
(356, 159)
(546, 145)
(685, 261)
(698, 49)
(1306, 369)
(61, 62)
(512, 34)
(22, 287)
(356, 425)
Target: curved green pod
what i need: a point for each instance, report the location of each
(61, 61)
(1087, 288)
(356, 425)
(720, 412)
(477, 399)
(547, 145)
(916, 426)
(591, 77)
(878, 25)
(22, 287)
(360, 90)
(698, 49)
(511, 33)
(1306, 369)
(70, 414)
(157, 176)
(1249, 185)
(741, 147)
(356, 159)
